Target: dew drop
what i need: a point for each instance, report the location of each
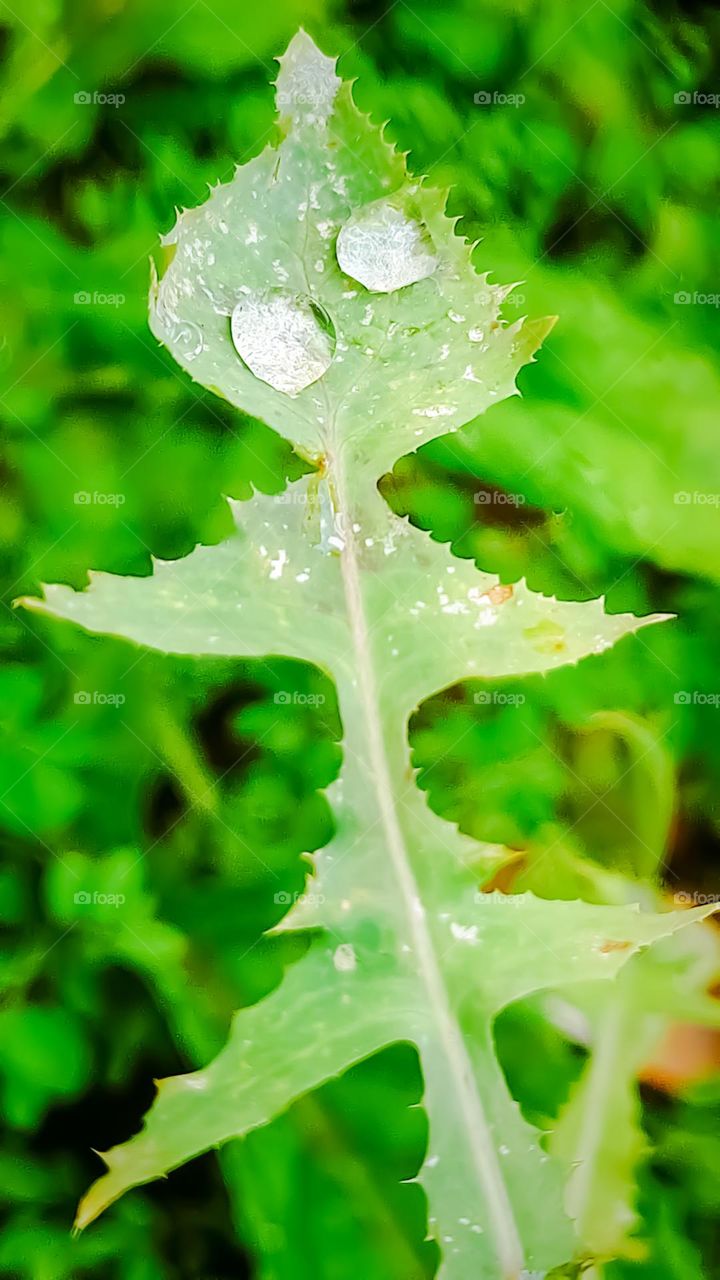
(384, 248)
(435, 411)
(278, 564)
(464, 932)
(187, 337)
(344, 958)
(286, 339)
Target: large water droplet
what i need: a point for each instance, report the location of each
(385, 248)
(286, 339)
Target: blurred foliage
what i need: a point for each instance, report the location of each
(173, 785)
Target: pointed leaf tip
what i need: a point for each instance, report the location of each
(307, 85)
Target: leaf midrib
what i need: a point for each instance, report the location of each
(478, 1134)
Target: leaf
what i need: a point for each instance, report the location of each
(43, 1058)
(257, 303)
(356, 1001)
(341, 1151)
(421, 361)
(435, 620)
(37, 789)
(581, 447)
(599, 1134)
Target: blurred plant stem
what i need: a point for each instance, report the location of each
(180, 753)
(653, 786)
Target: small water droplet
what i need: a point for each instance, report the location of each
(464, 932)
(344, 958)
(385, 248)
(187, 336)
(435, 411)
(286, 339)
(278, 564)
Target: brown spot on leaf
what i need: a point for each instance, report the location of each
(499, 594)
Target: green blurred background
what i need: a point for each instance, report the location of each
(581, 142)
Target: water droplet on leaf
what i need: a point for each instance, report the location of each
(286, 339)
(385, 248)
(344, 958)
(187, 337)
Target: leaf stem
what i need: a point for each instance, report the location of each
(477, 1129)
